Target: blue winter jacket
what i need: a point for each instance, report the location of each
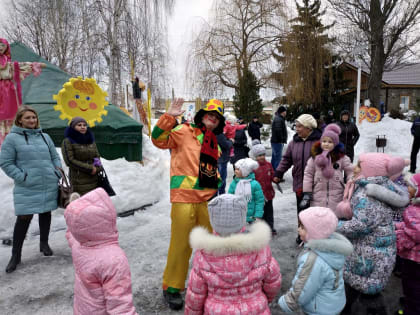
(415, 127)
(318, 286)
(256, 204)
(29, 157)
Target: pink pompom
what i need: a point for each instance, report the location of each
(322, 160)
(343, 210)
(328, 172)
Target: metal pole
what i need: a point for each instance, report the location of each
(359, 79)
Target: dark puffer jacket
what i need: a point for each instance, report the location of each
(297, 154)
(79, 158)
(240, 148)
(349, 134)
(254, 130)
(279, 130)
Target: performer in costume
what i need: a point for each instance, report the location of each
(11, 75)
(194, 180)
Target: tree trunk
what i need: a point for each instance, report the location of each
(377, 60)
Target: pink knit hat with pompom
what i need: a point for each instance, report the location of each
(380, 164)
(319, 222)
(332, 131)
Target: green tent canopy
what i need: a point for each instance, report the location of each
(118, 135)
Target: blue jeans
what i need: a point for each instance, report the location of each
(223, 174)
(276, 153)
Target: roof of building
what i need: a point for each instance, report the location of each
(408, 74)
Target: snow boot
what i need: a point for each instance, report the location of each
(44, 231)
(174, 299)
(13, 262)
(45, 248)
(19, 233)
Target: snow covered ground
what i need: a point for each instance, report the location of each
(44, 285)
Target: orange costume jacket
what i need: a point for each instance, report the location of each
(185, 143)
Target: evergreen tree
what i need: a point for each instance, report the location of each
(305, 58)
(247, 102)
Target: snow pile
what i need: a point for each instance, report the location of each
(135, 185)
(396, 131)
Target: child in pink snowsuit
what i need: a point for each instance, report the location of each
(408, 247)
(233, 272)
(102, 282)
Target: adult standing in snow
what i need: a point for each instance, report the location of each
(297, 154)
(81, 156)
(415, 131)
(240, 145)
(225, 145)
(278, 136)
(349, 133)
(254, 129)
(193, 182)
(29, 157)
(330, 117)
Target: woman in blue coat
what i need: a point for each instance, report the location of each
(29, 157)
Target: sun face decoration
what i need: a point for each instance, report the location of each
(83, 98)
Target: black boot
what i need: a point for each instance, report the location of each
(13, 262)
(19, 233)
(44, 231)
(174, 300)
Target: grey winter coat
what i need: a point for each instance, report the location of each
(278, 129)
(297, 154)
(29, 157)
(371, 230)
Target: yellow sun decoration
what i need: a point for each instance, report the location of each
(83, 98)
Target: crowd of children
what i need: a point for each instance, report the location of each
(344, 258)
(346, 224)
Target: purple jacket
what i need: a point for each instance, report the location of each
(297, 154)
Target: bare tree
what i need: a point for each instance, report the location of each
(65, 33)
(387, 28)
(239, 38)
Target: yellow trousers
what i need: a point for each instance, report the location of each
(184, 216)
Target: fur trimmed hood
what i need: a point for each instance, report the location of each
(257, 238)
(332, 250)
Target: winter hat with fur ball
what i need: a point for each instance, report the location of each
(307, 121)
(246, 166)
(380, 164)
(332, 131)
(257, 148)
(413, 181)
(227, 214)
(319, 222)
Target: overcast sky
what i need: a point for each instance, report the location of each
(187, 17)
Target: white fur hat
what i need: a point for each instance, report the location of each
(230, 118)
(246, 166)
(257, 148)
(307, 121)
